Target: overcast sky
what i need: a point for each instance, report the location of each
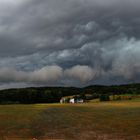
(69, 42)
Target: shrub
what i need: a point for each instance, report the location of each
(104, 97)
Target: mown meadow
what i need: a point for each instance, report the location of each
(112, 120)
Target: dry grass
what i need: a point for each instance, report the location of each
(98, 121)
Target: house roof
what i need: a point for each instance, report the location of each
(68, 97)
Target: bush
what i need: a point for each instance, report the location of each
(104, 97)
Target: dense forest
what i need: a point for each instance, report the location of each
(54, 94)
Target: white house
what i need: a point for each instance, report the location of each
(72, 101)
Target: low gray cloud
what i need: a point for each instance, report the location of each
(47, 74)
(44, 75)
(82, 73)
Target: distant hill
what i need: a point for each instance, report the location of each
(54, 94)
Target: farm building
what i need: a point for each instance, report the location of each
(76, 100)
(79, 101)
(71, 100)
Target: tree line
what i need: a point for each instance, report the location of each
(54, 94)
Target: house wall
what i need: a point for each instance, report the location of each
(72, 101)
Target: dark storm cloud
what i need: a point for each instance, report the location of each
(78, 42)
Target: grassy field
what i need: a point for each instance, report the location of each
(89, 121)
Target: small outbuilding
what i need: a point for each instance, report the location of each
(79, 100)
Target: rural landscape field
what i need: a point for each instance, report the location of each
(114, 120)
(69, 69)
